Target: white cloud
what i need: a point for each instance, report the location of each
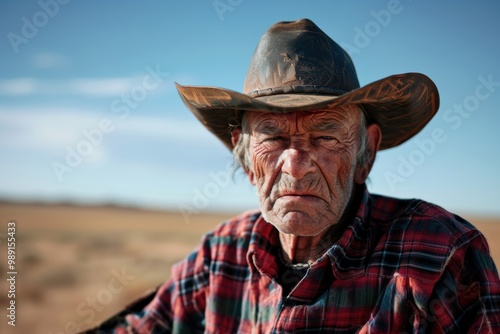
(102, 87)
(94, 87)
(49, 60)
(111, 87)
(43, 128)
(53, 129)
(165, 128)
(19, 86)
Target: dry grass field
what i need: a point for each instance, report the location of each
(78, 265)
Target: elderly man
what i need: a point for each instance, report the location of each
(322, 255)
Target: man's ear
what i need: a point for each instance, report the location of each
(374, 137)
(250, 176)
(235, 136)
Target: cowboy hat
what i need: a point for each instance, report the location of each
(296, 66)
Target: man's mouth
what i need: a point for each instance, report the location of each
(298, 195)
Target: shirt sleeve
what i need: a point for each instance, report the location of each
(466, 299)
(463, 296)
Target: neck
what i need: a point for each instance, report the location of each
(307, 249)
(299, 249)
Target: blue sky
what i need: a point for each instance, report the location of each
(89, 112)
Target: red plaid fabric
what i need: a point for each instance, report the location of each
(401, 266)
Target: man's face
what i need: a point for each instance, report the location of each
(303, 166)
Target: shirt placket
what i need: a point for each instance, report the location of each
(293, 309)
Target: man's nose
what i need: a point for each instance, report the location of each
(297, 163)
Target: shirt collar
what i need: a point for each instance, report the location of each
(264, 243)
(349, 255)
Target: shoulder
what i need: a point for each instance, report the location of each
(231, 238)
(419, 218)
(239, 226)
(226, 243)
(420, 237)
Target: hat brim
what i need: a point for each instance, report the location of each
(400, 104)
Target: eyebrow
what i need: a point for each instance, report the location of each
(268, 129)
(325, 126)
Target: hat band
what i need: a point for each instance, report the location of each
(313, 90)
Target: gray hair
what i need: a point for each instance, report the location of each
(242, 158)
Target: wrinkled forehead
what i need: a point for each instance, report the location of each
(348, 115)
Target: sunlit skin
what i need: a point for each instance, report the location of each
(304, 169)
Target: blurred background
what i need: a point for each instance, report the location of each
(111, 179)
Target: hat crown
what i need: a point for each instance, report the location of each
(298, 57)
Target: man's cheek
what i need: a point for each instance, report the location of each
(259, 167)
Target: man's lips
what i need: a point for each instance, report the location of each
(298, 195)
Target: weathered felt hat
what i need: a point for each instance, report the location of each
(296, 66)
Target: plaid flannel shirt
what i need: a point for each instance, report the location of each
(401, 266)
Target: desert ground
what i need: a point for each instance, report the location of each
(79, 265)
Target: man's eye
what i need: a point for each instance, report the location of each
(326, 138)
(276, 138)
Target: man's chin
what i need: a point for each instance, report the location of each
(299, 223)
